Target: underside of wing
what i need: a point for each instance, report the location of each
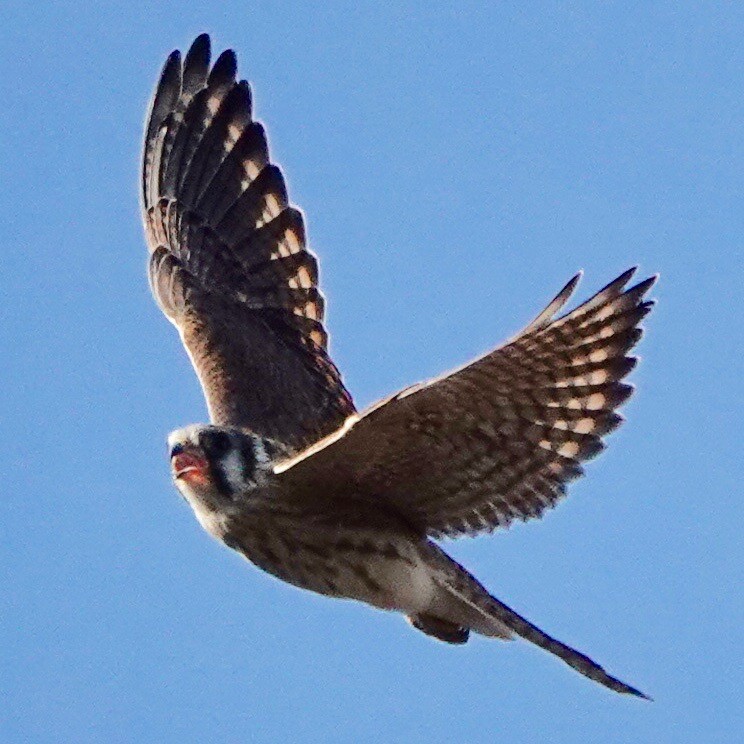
(500, 438)
(228, 262)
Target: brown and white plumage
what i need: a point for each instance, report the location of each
(228, 263)
(289, 475)
(500, 438)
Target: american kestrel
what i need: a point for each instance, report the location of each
(288, 474)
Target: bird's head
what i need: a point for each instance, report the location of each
(215, 466)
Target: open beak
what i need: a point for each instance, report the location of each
(189, 464)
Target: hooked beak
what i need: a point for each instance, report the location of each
(189, 465)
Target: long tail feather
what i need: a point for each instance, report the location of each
(474, 597)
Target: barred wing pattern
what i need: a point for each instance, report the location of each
(228, 263)
(500, 438)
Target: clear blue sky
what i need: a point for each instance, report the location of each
(456, 166)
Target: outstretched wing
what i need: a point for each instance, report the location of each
(228, 262)
(500, 438)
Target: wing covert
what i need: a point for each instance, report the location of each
(228, 259)
(500, 438)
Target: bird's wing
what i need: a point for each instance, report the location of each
(500, 438)
(228, 262)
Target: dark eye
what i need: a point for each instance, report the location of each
(214, 443)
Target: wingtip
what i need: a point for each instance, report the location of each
(573, 281)
(650, 282)
(225, 68)
(637, 693)
(200, 49)
(623, 279)
(171, 70)
(565, 293)
(646, 284)
(547, 315)
(201, 40)
(173, 58)
(628, 273)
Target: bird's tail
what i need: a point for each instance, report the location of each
(466, 601)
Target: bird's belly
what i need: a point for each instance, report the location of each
(379, 570)
(390, 583)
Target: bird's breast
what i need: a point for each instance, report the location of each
(386, 570)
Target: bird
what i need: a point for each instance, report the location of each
(288, 473)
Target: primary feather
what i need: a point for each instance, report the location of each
(228, 262)
(499, 438)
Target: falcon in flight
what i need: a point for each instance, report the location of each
(288, 473)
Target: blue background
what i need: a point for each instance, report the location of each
(456, 165)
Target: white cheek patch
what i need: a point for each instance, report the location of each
(260, 453)
(233, 468)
